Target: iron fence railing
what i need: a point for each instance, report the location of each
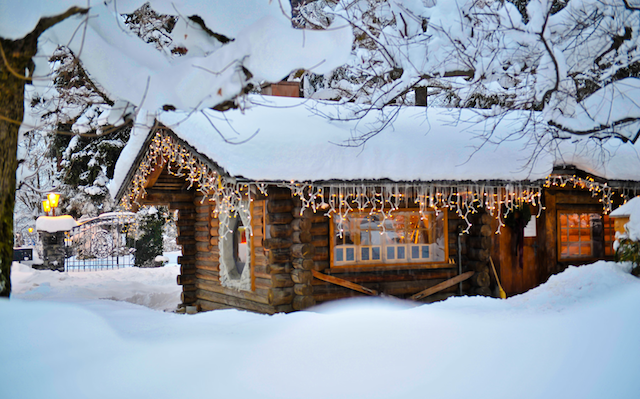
(104, 242)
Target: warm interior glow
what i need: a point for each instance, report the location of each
(53, 199)
(30, 229)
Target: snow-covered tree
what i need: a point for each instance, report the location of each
(573, 64)
(149, 236)
(222, 49)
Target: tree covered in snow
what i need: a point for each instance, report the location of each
(218, 51)
(81, 145)
(35, 176)
(149, 235)
(573, 64)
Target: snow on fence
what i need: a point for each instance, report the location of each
(101, 243)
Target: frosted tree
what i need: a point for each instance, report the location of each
(573, 65)
(225, 48)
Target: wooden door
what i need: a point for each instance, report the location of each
(518, 276)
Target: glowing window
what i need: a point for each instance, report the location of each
(405, 237)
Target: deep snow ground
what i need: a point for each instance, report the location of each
(82, 335)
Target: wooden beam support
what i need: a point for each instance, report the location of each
(155, 173)
(343, 283)
(442, 286)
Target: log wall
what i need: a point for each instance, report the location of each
(476, 252)
(186, 239)
(200, 263)
(276, 267)
(288, 244)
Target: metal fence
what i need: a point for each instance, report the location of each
(104, 242)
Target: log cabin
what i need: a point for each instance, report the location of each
(284, 206)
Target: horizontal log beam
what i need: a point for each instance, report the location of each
(234, 301)
(278, 206)
(259, 296)
(165, 197)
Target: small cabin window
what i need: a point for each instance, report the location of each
(235, 251)
(240, 250)
(585, 235)
(406, 237)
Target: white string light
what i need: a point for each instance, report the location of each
(229, 196)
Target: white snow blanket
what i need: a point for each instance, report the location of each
(575, 336)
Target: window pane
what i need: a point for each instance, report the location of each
(574, 220)
(364, 238)
(347, 238)
(351, 254)
(401, 253)
(364, 253)
(375, 253)
(391, 253)
(401, 228)
(425, 252)
(563, 220)
(574, 235)
(585, 249)
(338, 239)
(339, 255)
(574, 250)
(376, 238)
(415, 252)
(584, 220)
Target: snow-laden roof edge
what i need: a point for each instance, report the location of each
(285, 139)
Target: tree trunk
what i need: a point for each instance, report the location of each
(14, 60)
(18, 55)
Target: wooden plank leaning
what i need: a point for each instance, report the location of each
(443, 285)
(343, 283)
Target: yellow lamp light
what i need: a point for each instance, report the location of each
(30, 229)
(53, 199)
(46, 207)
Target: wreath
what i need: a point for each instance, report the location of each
(517, 215)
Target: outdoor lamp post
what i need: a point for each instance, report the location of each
(51, 203)
(46, 207)
(53, 199)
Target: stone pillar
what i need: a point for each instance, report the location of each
(53, 251)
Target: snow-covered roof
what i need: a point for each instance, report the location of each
(53, 224)
(285, 139)
(632, 206)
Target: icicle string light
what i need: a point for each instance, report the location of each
(226, 194)
(596, 188)
(230, 197)
(383, 199)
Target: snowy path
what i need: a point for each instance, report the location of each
(575, 337)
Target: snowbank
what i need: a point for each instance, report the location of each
(574, 337)
(154, 288)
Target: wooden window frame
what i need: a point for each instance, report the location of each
(577, 209)
(382, 264)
